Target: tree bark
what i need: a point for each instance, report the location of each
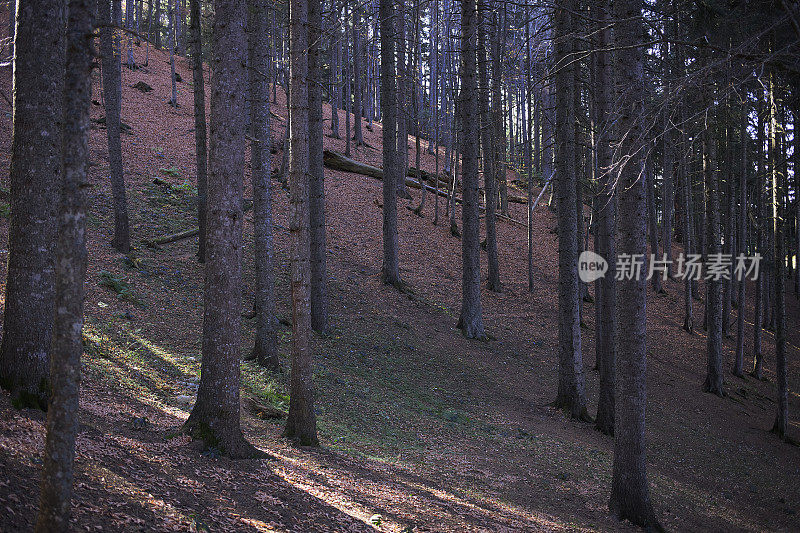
(630, 495)
(319, 271)
(606, 201)
(70, 272)
(215, 414)
(781, 425)
(390, 271)
(265, 349)
(714, 374)
(571, 391)
(488, 150)
(301, 424)
(35, 180)
(470, 320)
(200, 129)
(738, 364)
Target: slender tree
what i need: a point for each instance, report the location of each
(35, 180)
(571, 391)
(112, 98)
(319, 274)
(606, 202)
(390, 271)
(781, 425)
(470, 320)
(215, 415)
(301, 425)
(200, 129)
(70, 272)
(265, 350)
(630, 495)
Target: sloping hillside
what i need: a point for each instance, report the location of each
(420, 426)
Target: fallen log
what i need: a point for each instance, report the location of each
(154, 243)
(337, 161)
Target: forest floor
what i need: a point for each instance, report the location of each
(429, 430)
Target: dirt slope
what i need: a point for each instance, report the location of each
(420, 426)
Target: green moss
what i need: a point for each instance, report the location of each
(120, 286)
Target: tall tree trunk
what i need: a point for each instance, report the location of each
(215, 415)
(335, 72)
(301, 425)
(390, 271)
(689, 246)
(781, 425)
(487, 141)
(35, 179)
(112, 98)
(319, 271)
(713, 381)
(70, 272)
(571, 394)
(265, 349)
(738, 364)
(470, 320)
(630, 495)
(200, 130)
(606, 201)
(357, 135)
(173, 99)
(652, 223)
(402, 111)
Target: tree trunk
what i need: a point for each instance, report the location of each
(738, 364)
(200, 130)
(173, 99)
(70, 272)
(781, 425)
(713, 381)
(606, 201)
(112, 98)
(758, 302)
(488, 150)
(215, 415)
(35, 180)
(319, 271)
(357, 135)
(301, 424)
(470, 320)
(390, 271)
(402, 111)
(652, 223)
(630, 495)
(571, 394)
(265, 350)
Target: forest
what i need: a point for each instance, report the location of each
(402, 266)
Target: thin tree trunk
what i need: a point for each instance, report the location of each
(571, 394)
(70, 272)
(301, 424)
(319, 271)
(487, 140)
(738, 365)
(200, 131)
(358, 137)
(265, 349)
(470, 320)
(606, 201)
(390, 271)
(112, 98)
(173, 100)
(781, 426)
(714, 375)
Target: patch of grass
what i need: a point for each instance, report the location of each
(263, 385)
(120, 286)
(172, 171)
(5, 210)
